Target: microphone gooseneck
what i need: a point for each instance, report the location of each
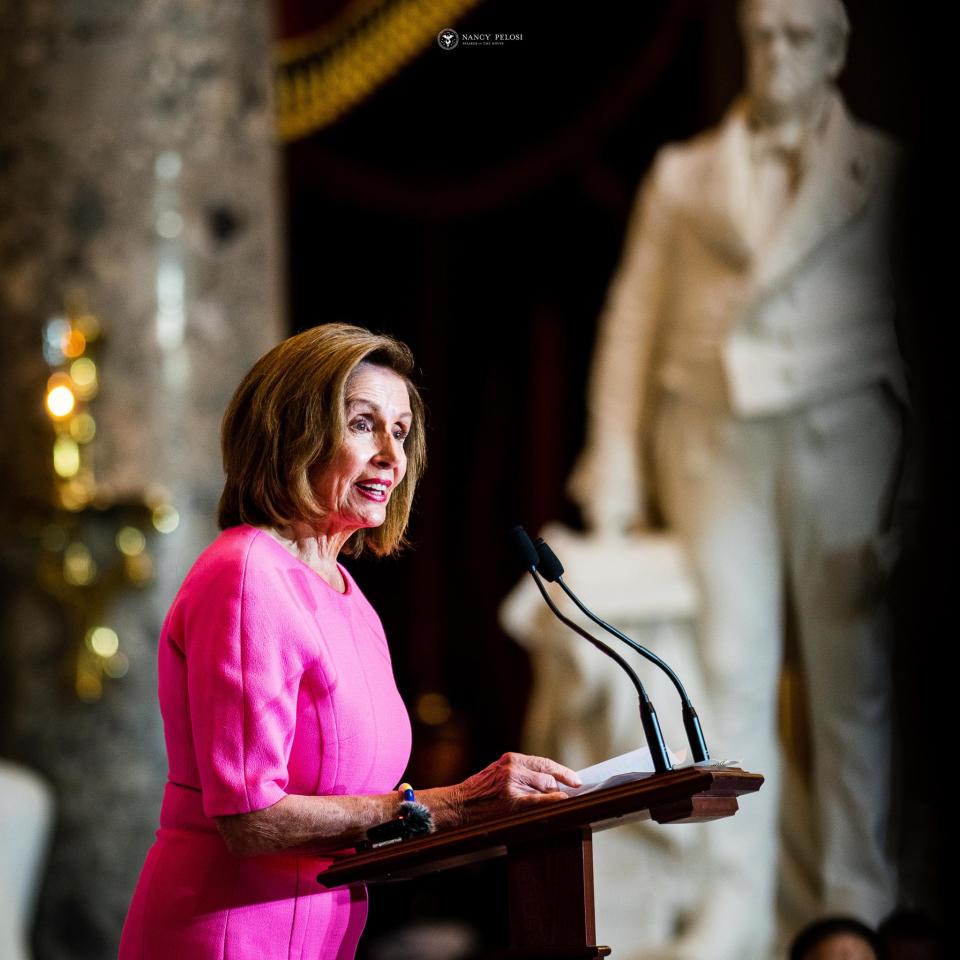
(526, 553)
(551, 569)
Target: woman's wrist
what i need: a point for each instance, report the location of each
(315, 822)
(446, 804)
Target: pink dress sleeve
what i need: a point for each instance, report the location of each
(243, 670)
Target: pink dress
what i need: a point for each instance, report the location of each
(270, 683)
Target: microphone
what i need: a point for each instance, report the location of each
(551, 569)
(523, 549)
(526, 554)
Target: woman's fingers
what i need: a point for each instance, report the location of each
(556, 772)
(515, 780)
(541, 782)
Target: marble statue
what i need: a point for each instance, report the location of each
(747, 383)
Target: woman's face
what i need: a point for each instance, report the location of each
(355, 487)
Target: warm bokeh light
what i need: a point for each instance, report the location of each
(66, 457)
(130, 541)
(79, 569)
(74, 343)
(83, 428)
(166, 518)
(433, 709)
(103, 641)
(79, 491)
(60, 401)
(83, 372)
(71, 499)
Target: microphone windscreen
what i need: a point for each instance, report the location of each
(523, 548)
(418, 818)
(548, 565)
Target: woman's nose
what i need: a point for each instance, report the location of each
(390, 449)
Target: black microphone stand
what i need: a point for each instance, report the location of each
(552, 570)
(527, 555)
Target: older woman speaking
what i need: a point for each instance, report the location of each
(285, 732)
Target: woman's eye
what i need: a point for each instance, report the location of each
(361, 425)
(400, 435)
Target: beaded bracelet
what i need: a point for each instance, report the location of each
(412, 820)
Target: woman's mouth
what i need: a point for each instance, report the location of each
(375, 490)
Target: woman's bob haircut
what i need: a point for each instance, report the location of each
(288, 418)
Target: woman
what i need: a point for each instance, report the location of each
(285, 732)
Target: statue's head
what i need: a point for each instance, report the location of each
(795, 49)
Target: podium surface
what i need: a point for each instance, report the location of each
(549, 852)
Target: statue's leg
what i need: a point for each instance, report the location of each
(843, 457)
(715, 481)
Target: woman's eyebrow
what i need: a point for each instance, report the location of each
(362, 401)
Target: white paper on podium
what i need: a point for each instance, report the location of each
(631, 766)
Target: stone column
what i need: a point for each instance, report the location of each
(138, 184)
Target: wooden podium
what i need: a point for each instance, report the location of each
(549, 853)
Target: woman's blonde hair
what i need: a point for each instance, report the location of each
(287, 420)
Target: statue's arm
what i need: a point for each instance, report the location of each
(607, 482)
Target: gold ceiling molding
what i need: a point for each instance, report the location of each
(322, 76)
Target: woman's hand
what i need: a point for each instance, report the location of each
(332, 823)
(507, 785)
(512, 782)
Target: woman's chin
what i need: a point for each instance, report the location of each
(369, 519)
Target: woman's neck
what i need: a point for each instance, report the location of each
(318, 549)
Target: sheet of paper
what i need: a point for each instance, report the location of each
(631, 766)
